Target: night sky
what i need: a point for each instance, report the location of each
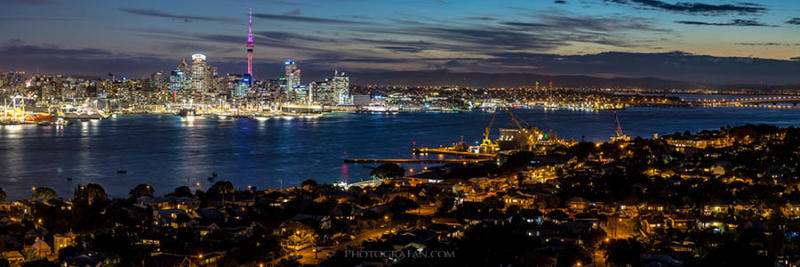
(728, 41)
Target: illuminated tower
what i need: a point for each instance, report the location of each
(250, 45)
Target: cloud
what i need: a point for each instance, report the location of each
(294, 12)
(16, 48)
(793, 21)
(695, 8)
(162, 14)
(31, 19)
(30, 2)
(294, 18)
(671, 65)
(408, 49)
(768, 44)
(548, 32)
(480, 18)
(735, 22)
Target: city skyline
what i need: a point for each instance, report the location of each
(610, 38)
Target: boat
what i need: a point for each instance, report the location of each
(43, 123)
(187, 112)
(104, 115)
(82, 116)
(122, 171)
(63, 122)
(378, 108)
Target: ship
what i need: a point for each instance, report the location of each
(39, 117)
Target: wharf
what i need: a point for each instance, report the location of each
(450, 151)
(415, 160)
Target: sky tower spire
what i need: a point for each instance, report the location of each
(250, 45)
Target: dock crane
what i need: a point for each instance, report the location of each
(530, 137)
(488, 145)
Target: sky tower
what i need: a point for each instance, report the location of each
(250, 45)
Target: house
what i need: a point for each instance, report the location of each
(93, 258)
(62, 241)
(791, 210)
(14, 258)
(533, 216)
(577, 204)
(416, 238)
(39, 249)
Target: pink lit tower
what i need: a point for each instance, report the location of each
(250, 45)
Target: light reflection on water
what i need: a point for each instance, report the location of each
(166, 151)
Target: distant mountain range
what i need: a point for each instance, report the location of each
(477, 79)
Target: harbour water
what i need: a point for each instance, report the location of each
(166, 151)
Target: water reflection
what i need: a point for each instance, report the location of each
(168, 151)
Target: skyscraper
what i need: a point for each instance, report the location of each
(198, 72)
(292, 75)
(250, 45)
(341, 88)
(176, 80)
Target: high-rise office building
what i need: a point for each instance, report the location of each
(321, 92)
(341, 88)
(292, 75)
(177, 78)
(240, 89)
(198, 72)
(156, 81)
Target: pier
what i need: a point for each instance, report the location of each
(450, 151)
(415, 160)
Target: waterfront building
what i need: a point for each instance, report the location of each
(322, 91)
(341, 88)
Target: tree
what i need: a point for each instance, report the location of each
(494, 203)
(182, 191)
(142, 190)
(309, 183)
(445, 205)
(3, 195)
(44, 194)
(222, 187)
(90, 192)
(387, 171)
(624, 252)
(402, 204)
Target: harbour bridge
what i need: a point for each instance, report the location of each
(779, 102)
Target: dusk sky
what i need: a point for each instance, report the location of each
(537, 36)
